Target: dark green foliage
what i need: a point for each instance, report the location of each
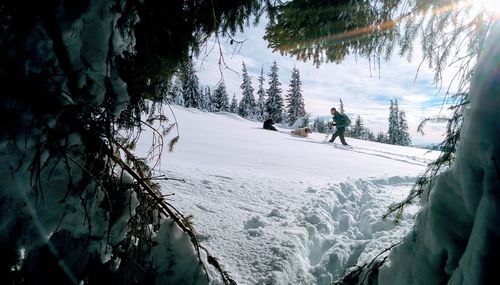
(233, 107)
(358, 130)
(247, 105)
(329, 30)
(404, 135)
(295, 107)
(393, 131)
(381, 137)
(190, 85)
(261, 100)
(220, 100)
(398, 126)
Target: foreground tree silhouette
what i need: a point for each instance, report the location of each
(78, 78)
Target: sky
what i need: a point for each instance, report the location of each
(280, 209)
(364, 91)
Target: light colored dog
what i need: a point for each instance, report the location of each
(303, 132)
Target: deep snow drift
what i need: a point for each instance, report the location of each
(280, 209)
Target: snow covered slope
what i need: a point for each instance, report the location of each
(280, 209)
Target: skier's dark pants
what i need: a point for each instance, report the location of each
(340, 133)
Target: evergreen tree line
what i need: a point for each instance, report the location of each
(397, 133)
(185, 90)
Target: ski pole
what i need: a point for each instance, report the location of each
(328, 133)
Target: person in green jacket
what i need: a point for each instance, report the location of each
(341, 121)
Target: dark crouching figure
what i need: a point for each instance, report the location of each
(268, 125)
(341, 121)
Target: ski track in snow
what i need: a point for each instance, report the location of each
(385, 154)
(410, 159)
(304, 238)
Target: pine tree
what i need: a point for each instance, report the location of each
(274, 103)
(368, 135)
(404, 135)
(207, 99)
(319, 125)
(176, 92)
(341, 108)
(247, 104)
(233, 108)
(190, 85)
(261, 109)
(295, 101)
(381, 137)
(397, 136)
(220, 100)
(393, 133)
(306, 121)
(201, 91)
(398, 126)
(358, 129)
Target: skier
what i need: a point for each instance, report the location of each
(341, 121)
(268, 125)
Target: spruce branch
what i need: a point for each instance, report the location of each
(436, 119)
(370, 269)
(226, 278)
(165, 208)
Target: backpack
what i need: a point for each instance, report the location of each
(347, 121)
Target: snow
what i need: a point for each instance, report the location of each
(281, 209)
(181, 261)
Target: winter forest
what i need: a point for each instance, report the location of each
(84, 81)
(185, 90)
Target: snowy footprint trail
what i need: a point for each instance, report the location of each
(308, 236)
(277, 209)
(346, 227)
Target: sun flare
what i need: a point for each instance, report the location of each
(488, 6)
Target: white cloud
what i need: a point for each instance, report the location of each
(416, 98)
